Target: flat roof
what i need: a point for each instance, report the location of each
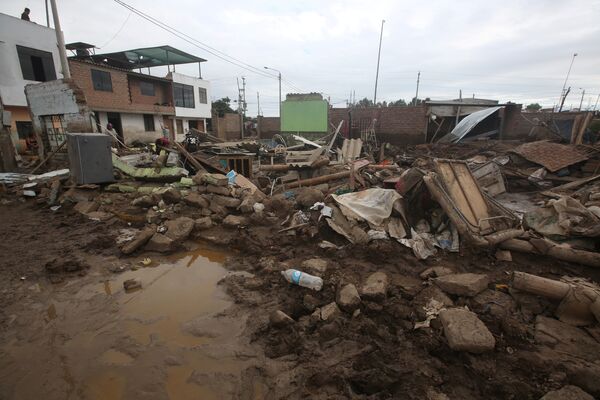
(145, 57)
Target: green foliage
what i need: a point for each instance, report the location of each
(222, 106)
(595, 127)
(398, 103)
(533, 107)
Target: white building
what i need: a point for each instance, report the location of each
(191, 97)
(28, 54)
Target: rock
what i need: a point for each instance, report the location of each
(465, 332)
(206, 212)
(503, 255)
(203, 223)
(565, 338)
(425, 295)
(99, 216)
(132, 284)
(376, 286)
(435, 272)
(315, 266)
(179, 229)
(567, 393)
(235, 221)
(310, 302)
(145, 201)
(222, 190)
(433, 394)
(160, 243)
(196, 200)
(153, 217)
(496, 303)
(140, 239)
(409, 286)
(463, 284)
(347, 298)
(85, 207)
(171, 195)
(330, 311)
(217, 209)
(308, 196)
(229, 202)
(279, 319)
(214, 179)
(201, 189)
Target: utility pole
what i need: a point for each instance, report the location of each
(64, 63)
(562, 102)
(47, 15)
(563, 93)
(258, 101)
(279, 77)
(242, 103)
(417, 95)
(581, 101)
(596, 105)
(378, 57)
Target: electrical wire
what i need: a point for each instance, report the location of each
(119, 31)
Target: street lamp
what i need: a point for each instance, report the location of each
(279, 76)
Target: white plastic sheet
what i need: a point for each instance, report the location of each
(372, 205)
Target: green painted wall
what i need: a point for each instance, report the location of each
(304, 116)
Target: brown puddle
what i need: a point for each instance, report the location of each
(171, 339)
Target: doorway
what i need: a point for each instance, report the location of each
(115, 120)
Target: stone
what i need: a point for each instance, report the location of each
(196, 200)
(99, 216)
(425, 295)
(279, 319)
(463, 284)
(171, 195)
(153, 217)
(145, 201)
(234, 221)
(215, 179)
(179, 229)
(222, 190)
(140, 239)
(229, 202)
(206, 212)
(465, 332)
(347, 298)
(160, 243)
(85, 207)
(309, 196)
(375, 287)
(315, 266)
(498, 304)
(408, 285)
(565, 338)
(132, 284)
(503, 255)
(435, 272)
(330, 311)
(568, 392)
(217, 209)
(203, 223)
(310, 302)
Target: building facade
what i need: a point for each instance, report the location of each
(28, 54)
(191, 97)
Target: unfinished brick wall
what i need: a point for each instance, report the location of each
(268, 127)
(125, 95)
(396, 125)
(525, 121)
(227, 127)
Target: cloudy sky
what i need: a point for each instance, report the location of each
(511, 50)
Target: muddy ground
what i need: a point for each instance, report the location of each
(69, 331)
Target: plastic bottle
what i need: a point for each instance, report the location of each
(303, 279)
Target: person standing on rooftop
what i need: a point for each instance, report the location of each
(25, 14)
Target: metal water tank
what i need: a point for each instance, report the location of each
(90, 157)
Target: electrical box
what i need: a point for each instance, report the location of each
(5, 118)
(90, 157)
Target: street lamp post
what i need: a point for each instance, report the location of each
(279, 76)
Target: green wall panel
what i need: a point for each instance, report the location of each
(304, 116)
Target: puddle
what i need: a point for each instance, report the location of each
(172, 338)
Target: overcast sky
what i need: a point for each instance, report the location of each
(510, 50)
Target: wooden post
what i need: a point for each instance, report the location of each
(540, 286)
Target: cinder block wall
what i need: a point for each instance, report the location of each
(268, 127)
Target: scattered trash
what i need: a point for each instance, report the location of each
(303, 279)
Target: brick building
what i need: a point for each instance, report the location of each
(139, 105)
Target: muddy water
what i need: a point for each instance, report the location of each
(176, 338)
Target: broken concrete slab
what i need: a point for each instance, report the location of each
(217, 209)
(465, 331)
(213, 179)
(568, 392)
(348, 298)
(315, 266)
(171, 195)
(140, 239)
(330, 311)
(203, 223)
(376, 286)
(146, 201)
(165, 174)
(196, 200)
(222, 190)
(160, 243)
(179, 229)
(463, 284)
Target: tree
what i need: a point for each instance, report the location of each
(365, 103)
(397, 103)
(412, 101)
(222, 106)
(533, 107)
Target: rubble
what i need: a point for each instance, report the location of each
(179, 229)
(568, 392)
(467, 284)
(465, 332)
(160, 243)
(375, 287)
(348, 298)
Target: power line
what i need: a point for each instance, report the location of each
(119, 31)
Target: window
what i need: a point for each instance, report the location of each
(149, 122)
(147, 88)
(202, 95)
(183, 95)
(101, 80)
(24, 129)
(36, 65)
